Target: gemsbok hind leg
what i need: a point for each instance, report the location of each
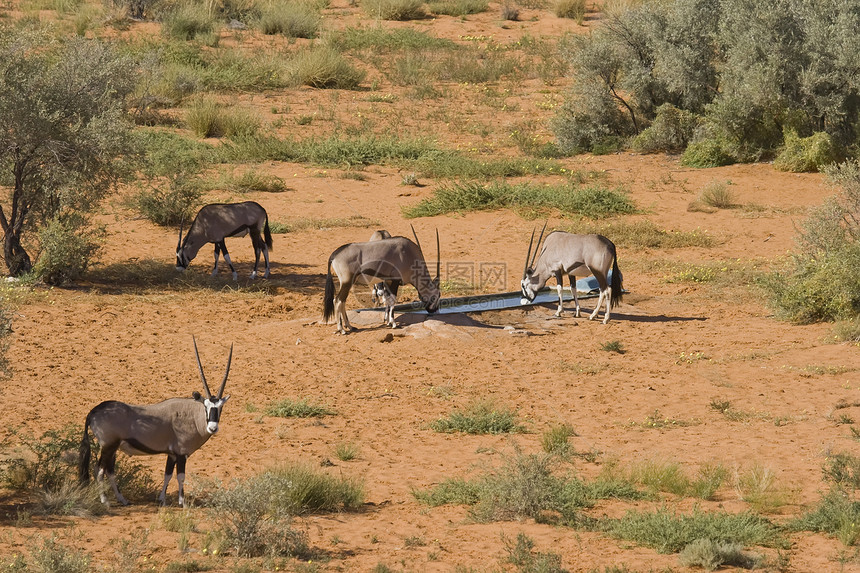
(259, 247)
(343, 326)
(559, 287)
(605, 294)
(107, 466)
(572, 278)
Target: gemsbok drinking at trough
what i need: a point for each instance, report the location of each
(176, 427)
(574, 256)
(395, 261)
(217, 221)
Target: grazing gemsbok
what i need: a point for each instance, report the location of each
(574, 256)
(217, 221)
(395, 260)
(176, 427)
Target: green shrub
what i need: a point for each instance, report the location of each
(170, 204)
(592, 202)
(843, 470)
(323, 67)
(395, 9)
(670, 131)
(712, 152)
(556, 440)
(292, 18)
(288, 408)
(573, 9)
(820, 282)
(52, 557)
(716, 194)
(189, 21)
(836, 514)
(458, 7)
(479, 418)
(208, 118)
(805, 154)
(667, 532)
(521, 554)
(68, 246)
(249, 525)
(711, 555)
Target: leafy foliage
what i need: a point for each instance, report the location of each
(822, 281)
(747, 74)
(62, 113)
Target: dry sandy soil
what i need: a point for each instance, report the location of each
(686, 345)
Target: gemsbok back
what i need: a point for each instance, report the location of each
(395, 260)
(574, 256)
(217, 221)
(176, 427)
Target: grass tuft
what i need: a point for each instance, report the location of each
(479, 418)
(303, 408)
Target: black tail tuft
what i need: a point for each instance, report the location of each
(617, 284)
(328, 296)
(267, 234)
(84, 455)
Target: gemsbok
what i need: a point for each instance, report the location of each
(217, 221)
(381, 294)
(395, 261)
(176, 427)
(575, 256)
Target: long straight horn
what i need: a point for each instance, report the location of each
(529, 253)
(537, 247)
(179, 244)
(200, 367)
(414, 234)
(226, 373)
(438, 257)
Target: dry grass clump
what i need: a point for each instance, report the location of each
(715, 195)
(395, 9)
(324, 67)
(573, 9)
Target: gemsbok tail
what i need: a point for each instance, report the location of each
(617, 279)
(84, 455)
(328, 296)
(267, 234)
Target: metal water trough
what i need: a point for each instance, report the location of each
(586, 288)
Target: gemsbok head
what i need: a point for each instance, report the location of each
(176, 427)
(575, 256)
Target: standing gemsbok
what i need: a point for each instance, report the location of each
(176, 427)
(395, 260)
(574, 256)
(217, 221)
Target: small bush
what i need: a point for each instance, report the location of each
(836, 514)
(711, 555)
(346, 452)
(573, 9)
(52, 557)
(671, 131)
(717, 195)
(805, 154)
(171, 204)
(479, 418)
(395, 9)
(759, 487)
(713, 152)
(521, 554)
(292, 18)
(843, 470)
(208, 118)
(556, 440)
(249, 525)
(510, 11)
(323, 67)
(189, 21)
(254, 180)
(303, 408)
(69, 246)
